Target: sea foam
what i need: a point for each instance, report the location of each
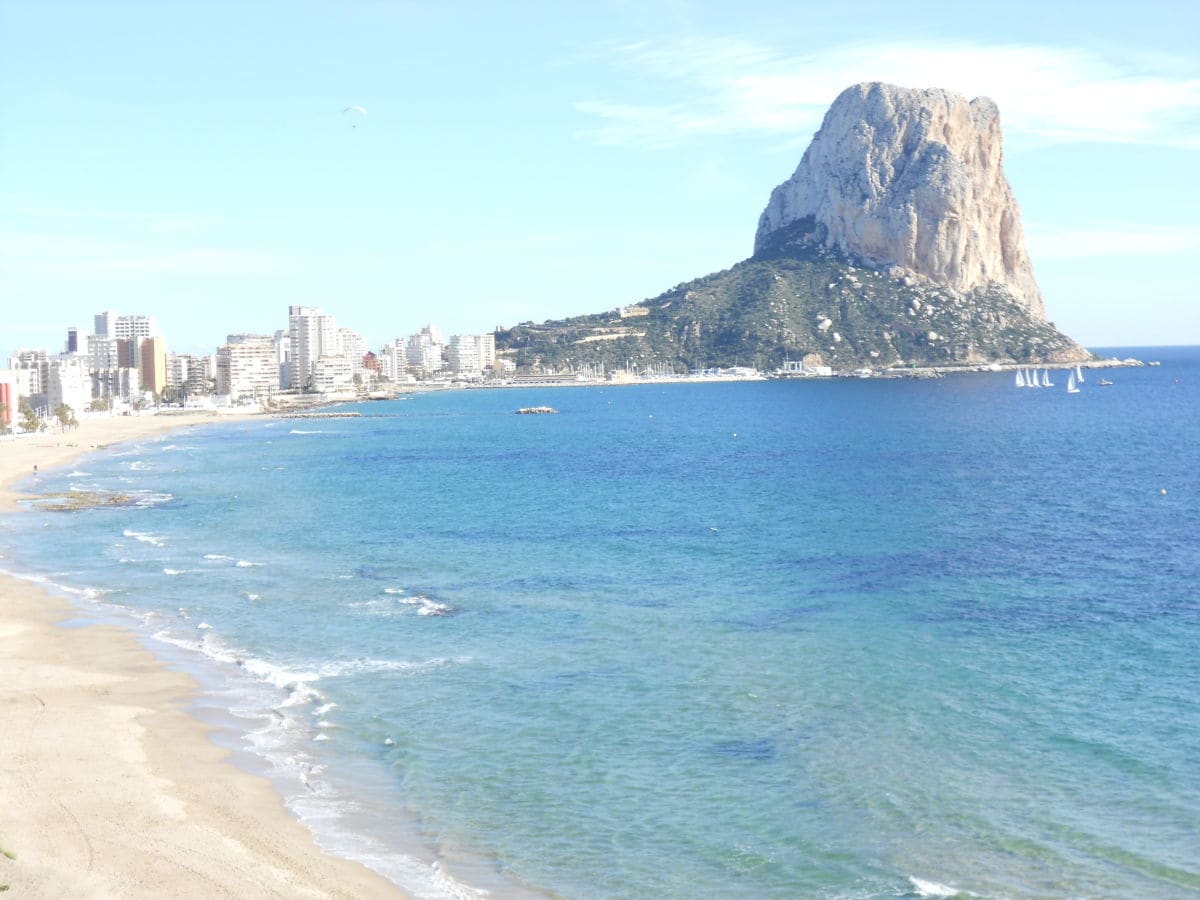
(923, 888)
(145, 537)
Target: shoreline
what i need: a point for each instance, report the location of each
(111, 787)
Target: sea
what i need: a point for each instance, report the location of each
(838, 638)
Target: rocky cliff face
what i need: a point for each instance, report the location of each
(910, 179)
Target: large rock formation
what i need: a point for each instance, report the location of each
(914, 179)
(896, 245)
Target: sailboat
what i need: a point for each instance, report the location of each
(1071, 389)
(1079, 374)
(1046, 382)
(1032, 376)
(1020, 379)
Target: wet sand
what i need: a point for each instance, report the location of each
(108, 787)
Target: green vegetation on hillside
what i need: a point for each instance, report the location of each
(796, 300)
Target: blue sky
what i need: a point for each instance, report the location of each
(517, 161)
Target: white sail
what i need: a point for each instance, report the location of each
(1079, 374)
(1020, 379)
(1071, 389)
(1046, 382)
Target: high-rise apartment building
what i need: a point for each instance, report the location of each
(485, 349)
(353, 346)
(135, 328)
(311, 335)
(247, 367)
(462, 353)
(424, 350)
(152, 364)
(115, 383)
(283, 351)
(35, 366)
(101, 352)
(393, 361)
(127, 353)
(188, 374)
(68, 384)
(334, 375)
(109, 324)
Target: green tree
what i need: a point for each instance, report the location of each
(101, 404)
(30, 421)
(66, 417)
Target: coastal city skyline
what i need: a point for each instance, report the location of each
(124, 360)
(530, 165)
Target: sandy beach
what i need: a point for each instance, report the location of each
(108, 787)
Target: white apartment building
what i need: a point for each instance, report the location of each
(311, 335)
(68, 384)
(393, 361)
(177, 371)
(129, 328)
(335, 375)
(283, 347)
(36, 364)
(423, 352)
(135, 328)
(247, 367)
(485, 349)
(470, 353)
(188, 373)
(352, 345)
(463, 353)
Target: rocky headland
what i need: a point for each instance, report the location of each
(897, 242)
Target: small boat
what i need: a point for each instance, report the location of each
(1104, 382)
(1079, 374)
(1020, 379)
(1071, 389)
(536, 410)
(1046, 382)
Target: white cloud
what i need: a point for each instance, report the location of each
(1046, 94)
(1134, 240)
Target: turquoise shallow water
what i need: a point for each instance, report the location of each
(828, 639)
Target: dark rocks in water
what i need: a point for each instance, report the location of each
(71, 501)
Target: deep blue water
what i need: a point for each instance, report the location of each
(743, 640)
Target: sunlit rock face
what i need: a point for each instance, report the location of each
(912, 179)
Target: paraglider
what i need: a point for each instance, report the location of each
(357, 111)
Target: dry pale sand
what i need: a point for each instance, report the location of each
(108, 788)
